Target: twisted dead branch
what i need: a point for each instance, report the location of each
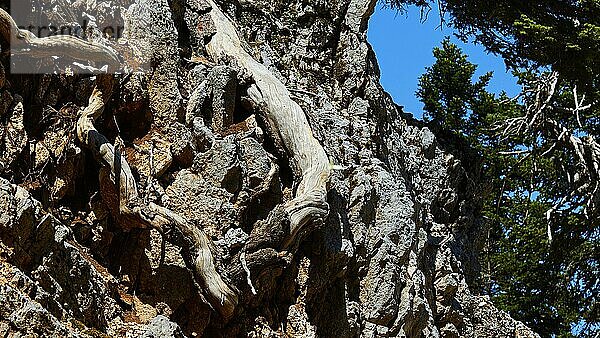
(118, 186)
(541, 117)
(288, 120)
(23, 42)
(132, 212)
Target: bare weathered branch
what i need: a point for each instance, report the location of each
(288, 120)
(24, 42)
(539, 118)
(122, 197)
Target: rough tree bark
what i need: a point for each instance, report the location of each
(258, 225)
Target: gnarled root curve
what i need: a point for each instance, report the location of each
(131, 212)
(24, 42)
(285, 117)
(288, 120)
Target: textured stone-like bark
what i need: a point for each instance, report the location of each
(257, 101)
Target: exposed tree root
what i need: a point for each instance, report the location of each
(132, 212)
(285, 117)
(25, 42)
(288, 120)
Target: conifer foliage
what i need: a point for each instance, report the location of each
(540, 151)
(540, 168)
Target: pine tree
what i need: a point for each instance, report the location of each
(546, 279)
(561, 35)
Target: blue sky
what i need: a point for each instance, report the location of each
(404, 45)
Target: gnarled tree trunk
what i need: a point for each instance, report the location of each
(313, 206)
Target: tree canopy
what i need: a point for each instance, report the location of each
(540, 258)
(564, 35)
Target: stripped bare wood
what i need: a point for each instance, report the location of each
(132, 212)
(285, 117)
(24, 42)
(308, 158)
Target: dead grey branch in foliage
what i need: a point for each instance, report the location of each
(537, 118)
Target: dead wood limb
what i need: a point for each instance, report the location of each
(24, 42)
(288, 120)
(541, 118)
(131, 212)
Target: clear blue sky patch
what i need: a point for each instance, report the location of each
(404, 46)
